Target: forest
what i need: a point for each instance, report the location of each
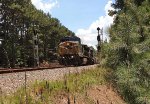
(128, 52)
(22, 27)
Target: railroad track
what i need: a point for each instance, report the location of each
(15, 70)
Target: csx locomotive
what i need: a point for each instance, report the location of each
(72, 52)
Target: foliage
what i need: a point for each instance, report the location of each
(20, 22)
(129, 49)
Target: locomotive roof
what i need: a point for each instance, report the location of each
(70, 38)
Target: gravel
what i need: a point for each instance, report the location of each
(9, 83)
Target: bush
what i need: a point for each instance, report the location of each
(132, 84)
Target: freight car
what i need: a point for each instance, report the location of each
(72, 52)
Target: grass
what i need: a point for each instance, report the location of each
(44, 92)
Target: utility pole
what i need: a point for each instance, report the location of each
(102, 36)
(102, 41)
(36, 49)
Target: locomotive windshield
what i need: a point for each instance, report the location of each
(70, 39)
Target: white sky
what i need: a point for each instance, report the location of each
(46, 6)
(88, 35)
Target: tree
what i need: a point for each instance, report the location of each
(18, 22)
(129, 49)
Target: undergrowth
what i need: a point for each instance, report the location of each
(132, 84)
(45, 91)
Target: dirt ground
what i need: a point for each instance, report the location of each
(95, 95)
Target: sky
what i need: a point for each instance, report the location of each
(80, 16)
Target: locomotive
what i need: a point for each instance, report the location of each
(72, 52)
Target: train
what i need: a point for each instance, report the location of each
(72, 52)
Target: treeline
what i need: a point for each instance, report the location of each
(128, 51)
(20, 23)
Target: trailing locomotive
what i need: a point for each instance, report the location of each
(72, 52)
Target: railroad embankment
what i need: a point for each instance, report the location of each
(79, 85)
(10, 82)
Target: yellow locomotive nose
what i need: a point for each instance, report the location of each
(68, 48)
